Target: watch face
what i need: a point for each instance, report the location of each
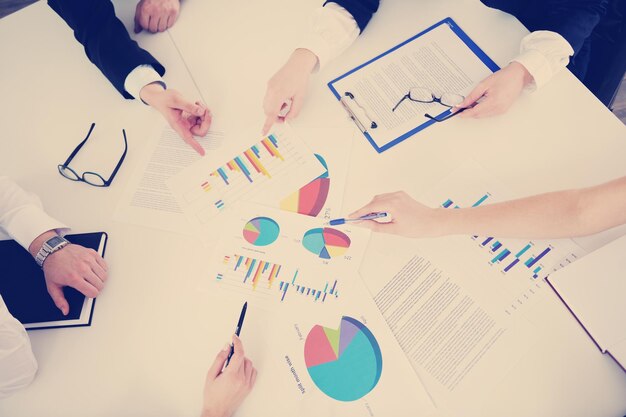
(55, 241)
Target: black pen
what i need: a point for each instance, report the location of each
(237, 331)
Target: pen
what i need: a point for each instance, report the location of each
(237, 331)
(370, 216)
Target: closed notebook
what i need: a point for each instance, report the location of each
(23, 287)
(594, 289)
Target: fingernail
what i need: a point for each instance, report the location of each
(226, 347)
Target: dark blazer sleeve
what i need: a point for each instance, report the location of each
(573, 19)
(361, 10)
(105, 39)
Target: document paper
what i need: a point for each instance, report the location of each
(438, 61)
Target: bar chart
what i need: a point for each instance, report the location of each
(271, 281)
(503, 254)
(265, 170)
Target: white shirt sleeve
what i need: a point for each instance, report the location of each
(333, 31)
(21, 214)
(140, 77)
(17, 362)
(543, 54)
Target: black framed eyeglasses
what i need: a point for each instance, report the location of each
(424, 95)
(89, 177)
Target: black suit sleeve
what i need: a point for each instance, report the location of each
(573, 19)
(361, 10)
(105, 39)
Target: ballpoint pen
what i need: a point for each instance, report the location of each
(237, 331)
(369, 216)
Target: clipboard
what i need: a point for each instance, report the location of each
(358, 113)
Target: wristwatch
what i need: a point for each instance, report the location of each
(49, 247)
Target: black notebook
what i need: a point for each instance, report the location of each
(23, 287)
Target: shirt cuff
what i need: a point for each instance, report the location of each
(544, 53)
(538, 66)
(333, 31)
(140, 77)
(30, 222)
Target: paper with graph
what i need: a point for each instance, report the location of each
(264, 170)
(280, 258)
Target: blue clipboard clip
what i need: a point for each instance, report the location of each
(357, 113)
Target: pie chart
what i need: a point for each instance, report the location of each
(344, 363)
(310, 199)
(326, 242)
(261, 231)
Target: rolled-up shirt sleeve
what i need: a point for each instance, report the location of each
(544, 54)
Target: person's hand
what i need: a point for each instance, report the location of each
(496, 93)
(408, 217)
(186, 118)
(156, 15)
(226, 388)
(289, 83)
(71, 266)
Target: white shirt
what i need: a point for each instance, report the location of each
(542, 53)
(140, 77)
(23, 219)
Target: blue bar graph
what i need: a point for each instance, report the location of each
(538, 258)
(523, 251)
(482, 200)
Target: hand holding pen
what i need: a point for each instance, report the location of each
(404, 216)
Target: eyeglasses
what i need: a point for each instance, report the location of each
(91, 178)
(424, 95)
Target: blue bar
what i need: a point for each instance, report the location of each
(293, 281)
(285, 291)
(501, 256)
(529, 261)
(326, 287)
(447, 204)
(333, 288)
(308, 291)
(541, 255)
(523, 251)
(223, 175)
(256, 151)
(489, 239)
(482, 199)
(239, 262)
(496, 246)
(274, 141)
(250, 270)
(511, 265)
(265, 267)
(243, 168)
(280, 287)
(324, 298)
(537, 269)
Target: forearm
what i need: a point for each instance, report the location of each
(559, 214)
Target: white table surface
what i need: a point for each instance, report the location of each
(150, 344)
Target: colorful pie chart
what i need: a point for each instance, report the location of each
(326, 242)
(344, 363)
(261, 231)
(310, 199)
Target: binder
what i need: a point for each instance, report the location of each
(593, 290)
(23, 287)
(367, 123)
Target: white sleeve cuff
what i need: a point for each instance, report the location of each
(333, 31)
(544, 54)
(140, 77)
(30, 222)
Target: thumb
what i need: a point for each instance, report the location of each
(476, 94)
(137, 24)
(56, 293)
